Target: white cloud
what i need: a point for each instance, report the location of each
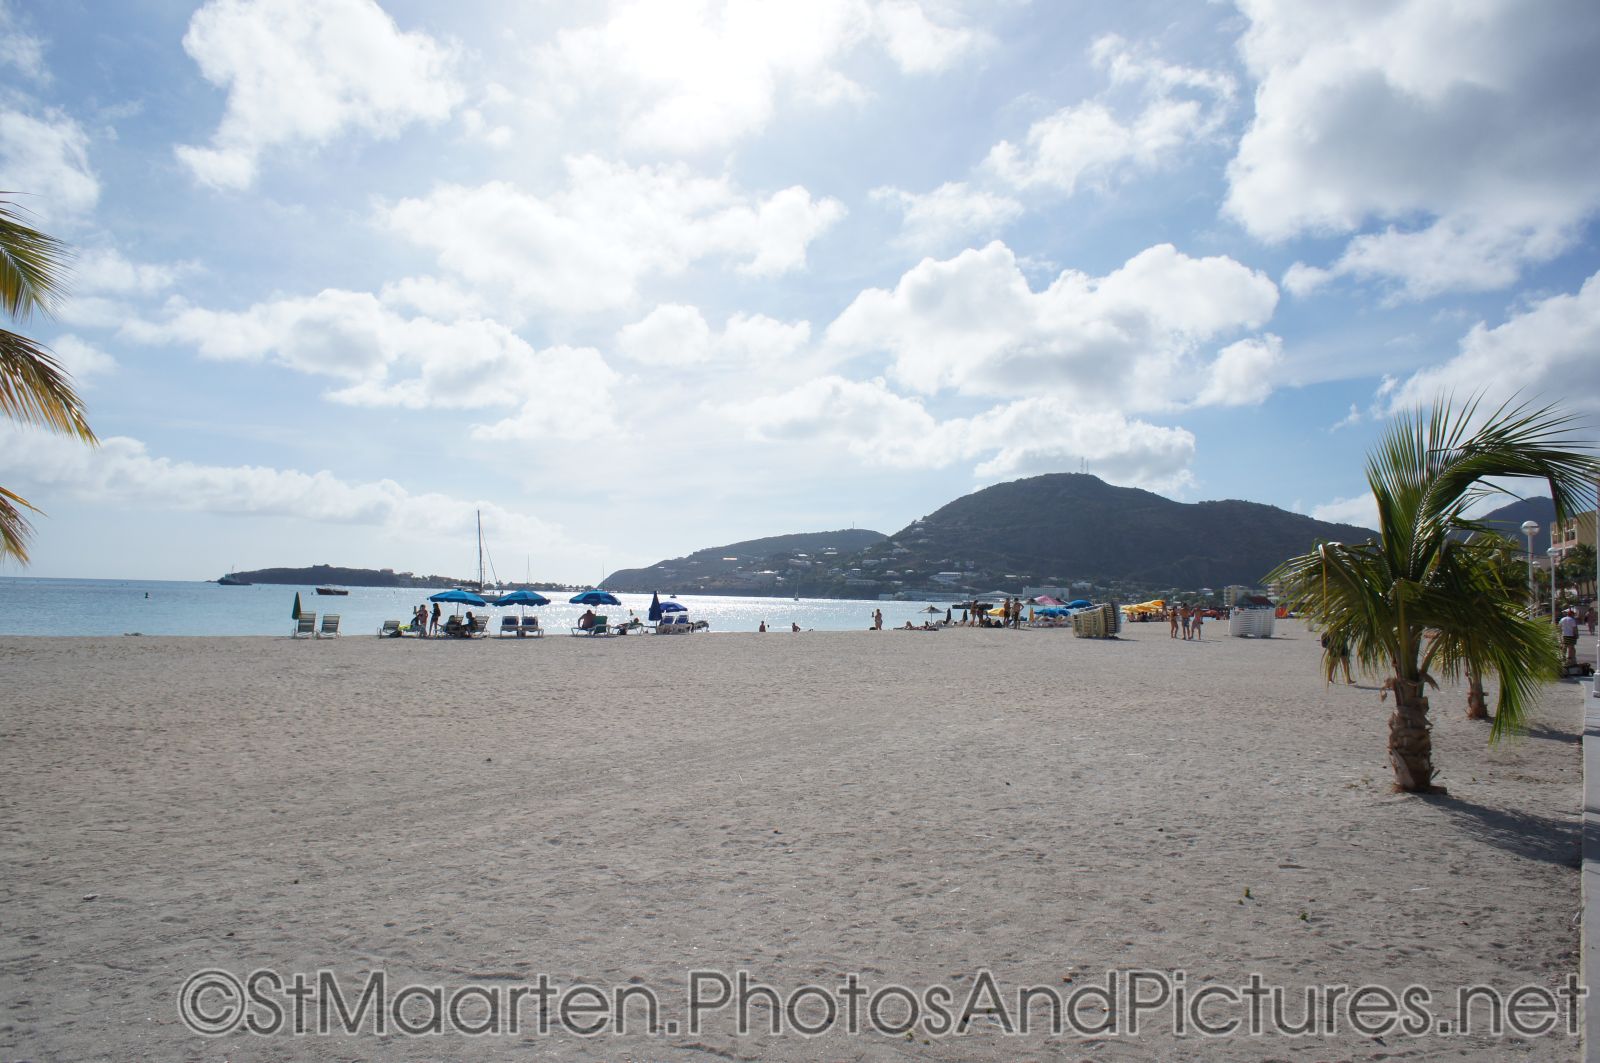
(952, 213)
(385, 359)
(1468, 129)
(1132, 339)
(1242, 372)
(105, 270)
(917, 43)
(878, 427)
(588, 246)
(1176, 106)
(19, 49)
(433, 297)
(1546, 353)
(122, 471)
(676, 335)
(308, 71)
(1362, 511)
(81, 358)
(688, 75)
(45, 163)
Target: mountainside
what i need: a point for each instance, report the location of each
(1064, 528)
(1046, 531)
(769, 566)
(1507, 520)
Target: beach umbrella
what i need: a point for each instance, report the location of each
(1079, 603)
(932, 609)
(1045, 599)
(595, 598)
(673, 607)
(522, 598)
(655, 608)
(458, 597)
(294, 614)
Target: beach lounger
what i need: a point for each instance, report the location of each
(389, 630)
(306, 625)
(330, 627)
(509, 626)
(531, 628)
(480, 627)
(599, 627)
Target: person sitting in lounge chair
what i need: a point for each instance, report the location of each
(586, 621)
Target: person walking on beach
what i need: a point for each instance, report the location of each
(1172, 620)
(1569, 635)
(1199, 619)
(433, 628)
(1184, 620)
(877, 620)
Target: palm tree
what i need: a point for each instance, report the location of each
(34, 388)
(1503, 559)
(1384, 595)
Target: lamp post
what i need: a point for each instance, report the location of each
(1530, 528)
(1552, 553)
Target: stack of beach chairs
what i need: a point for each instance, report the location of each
(1101, 622)
(1251, 623)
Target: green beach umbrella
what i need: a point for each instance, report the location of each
(294, 614)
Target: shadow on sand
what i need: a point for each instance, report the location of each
(1543, 838)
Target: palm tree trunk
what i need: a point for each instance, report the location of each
(1410, 744)
(1477, 705)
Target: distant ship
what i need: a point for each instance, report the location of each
(331, 590)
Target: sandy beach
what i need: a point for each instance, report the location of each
(911, 808)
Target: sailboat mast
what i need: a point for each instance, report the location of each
(480, 549)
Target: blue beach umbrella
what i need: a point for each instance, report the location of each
(294, 614)
(458, 597)
(522, 598)
(595, 598)
(655, 607)
(673, 607)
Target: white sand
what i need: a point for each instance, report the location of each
(912, 807)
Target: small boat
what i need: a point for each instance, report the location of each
(331, 590)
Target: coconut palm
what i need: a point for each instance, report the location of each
(1503, 559)
(1420, 574)
(34, 388)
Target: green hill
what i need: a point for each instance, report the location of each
(771, 566)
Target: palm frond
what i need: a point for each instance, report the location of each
(33, 265)
(35, 389)
(14, 527)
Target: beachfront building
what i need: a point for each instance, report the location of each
(1574, 531)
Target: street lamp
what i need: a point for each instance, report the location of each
(1552, 554)
(1530, 528)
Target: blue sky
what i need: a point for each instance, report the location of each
(635, 278)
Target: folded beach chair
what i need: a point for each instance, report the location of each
(531, 628)
(330, 627)
(306, 625)
(509, 626)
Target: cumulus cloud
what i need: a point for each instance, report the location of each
(1545, 353)
(81, 358)
(676, 335)
(588, 246)
(122, 471)
(1133, 339)
(1360, 510)
(308, 71)
(952, 213)
(1467, 132)
(385, 359)
(879, 427)
(1171, 107)
(45, 161)
(687, 75)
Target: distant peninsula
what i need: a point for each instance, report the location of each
(338, 576)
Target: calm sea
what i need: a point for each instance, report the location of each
(30, 606)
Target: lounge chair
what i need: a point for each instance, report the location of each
(330, 627)
(672, 624)
(531, 628)
(599, 627)
(389, 630)
(306, 625)
(509, 626)
(480, 627)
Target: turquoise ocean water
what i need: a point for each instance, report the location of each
(31, 606)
